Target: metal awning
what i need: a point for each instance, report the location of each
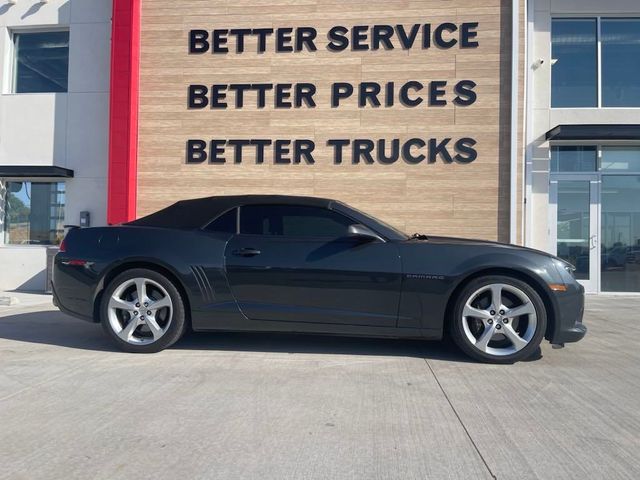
(14, 171)
(594, 132)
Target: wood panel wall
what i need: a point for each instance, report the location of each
(445, 199)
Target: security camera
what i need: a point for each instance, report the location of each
(537, 64)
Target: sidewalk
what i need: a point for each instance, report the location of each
(23, 300)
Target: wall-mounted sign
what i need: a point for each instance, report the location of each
(411, 94)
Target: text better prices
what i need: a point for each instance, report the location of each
(297, 95)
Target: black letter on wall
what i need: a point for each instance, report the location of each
(197, 96)
(465, 94)
(198, 41)
(465, 151)
(196, 151)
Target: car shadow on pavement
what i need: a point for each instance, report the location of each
(54, 328)
(319, 344)
(329, 344)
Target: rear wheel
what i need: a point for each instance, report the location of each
(142, 311)
(498, 319)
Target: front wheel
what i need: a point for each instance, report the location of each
(498, 319)
(142, 311)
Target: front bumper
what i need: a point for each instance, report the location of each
(573, 334)
(569, 311)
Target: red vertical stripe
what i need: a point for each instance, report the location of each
(123, 111)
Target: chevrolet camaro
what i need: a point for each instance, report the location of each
(310, 265)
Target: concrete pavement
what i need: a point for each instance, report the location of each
(249, 406)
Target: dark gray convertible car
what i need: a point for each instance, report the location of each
(301, 264)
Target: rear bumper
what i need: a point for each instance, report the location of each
(75, 301)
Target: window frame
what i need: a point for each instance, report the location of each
(598, 18)
(3, 209)
(599, 146)
(291, 237)
(12, 59)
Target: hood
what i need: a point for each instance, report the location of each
(475, 242)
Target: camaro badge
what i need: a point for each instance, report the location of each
(424, 276)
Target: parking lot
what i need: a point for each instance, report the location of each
(234, 406)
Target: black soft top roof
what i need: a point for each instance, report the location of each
(200, 211)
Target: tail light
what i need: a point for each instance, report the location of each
(76, 263)
(63, 246)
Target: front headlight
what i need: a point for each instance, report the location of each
(564, 266)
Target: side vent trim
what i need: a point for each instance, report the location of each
(203, 283)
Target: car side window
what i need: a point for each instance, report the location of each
(293, 221)
(225, 223)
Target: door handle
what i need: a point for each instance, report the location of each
(246, 252)
(594, 241)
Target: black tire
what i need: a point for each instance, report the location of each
(456, 327)
(176, 327)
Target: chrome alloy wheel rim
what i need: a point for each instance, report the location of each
(140, 311)
(499, 319)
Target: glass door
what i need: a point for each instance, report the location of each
(573, 225)
(620, 246)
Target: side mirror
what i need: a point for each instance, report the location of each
(363, 232)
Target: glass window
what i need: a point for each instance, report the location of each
(41, 62)
(574, 74)
(573, 158)
(573, 225)
(620, 47)
(620, 159)
(620, 245)
(226, 223)
(292, 220)
(34, 213)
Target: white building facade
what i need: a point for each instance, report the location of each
(54, 124)
(583, 138)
